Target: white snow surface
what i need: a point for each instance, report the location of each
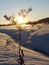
(39, 41)
(9, 54)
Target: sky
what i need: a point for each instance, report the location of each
(40, 8)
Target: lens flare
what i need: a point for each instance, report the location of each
(21, 20)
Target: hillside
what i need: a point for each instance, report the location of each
(9, 54)
(44, 20)
(34, 42)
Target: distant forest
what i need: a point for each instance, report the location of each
(44, 20)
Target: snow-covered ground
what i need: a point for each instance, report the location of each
(40, 40)
(9, 54)
(35, 38)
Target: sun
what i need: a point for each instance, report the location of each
(21, 20)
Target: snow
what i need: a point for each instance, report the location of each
(39, 42)
(9, 54)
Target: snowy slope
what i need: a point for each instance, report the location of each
(40, 40)
(37, 37)
(9, 54)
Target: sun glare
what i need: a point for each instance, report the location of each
(21, 20)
